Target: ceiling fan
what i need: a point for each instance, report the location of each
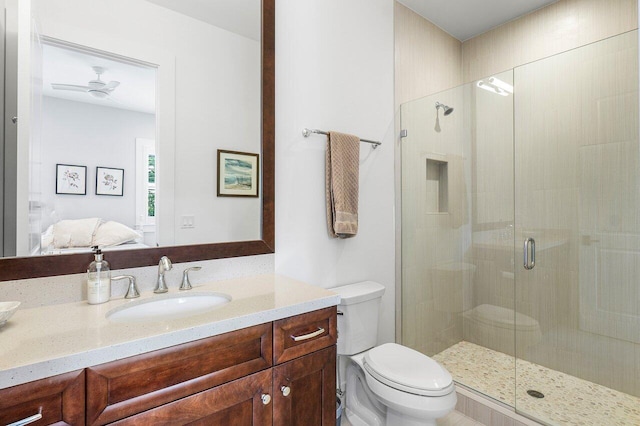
(96, 88)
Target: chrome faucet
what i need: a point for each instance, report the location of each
(163, 266)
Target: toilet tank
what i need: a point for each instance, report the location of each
(358, 316)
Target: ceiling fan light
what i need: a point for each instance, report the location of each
(100, 94)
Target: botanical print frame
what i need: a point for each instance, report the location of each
(238, 174)
(109, 181)
(71, 179)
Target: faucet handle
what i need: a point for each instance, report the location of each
(133, 291)
(186, 284)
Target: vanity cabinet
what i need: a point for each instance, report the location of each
(278, 373)
(59, 400)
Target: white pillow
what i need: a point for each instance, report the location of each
(113, 233)
(74, 233)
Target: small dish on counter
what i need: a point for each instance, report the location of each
(6, 310)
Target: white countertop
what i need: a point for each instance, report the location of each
(46, 341)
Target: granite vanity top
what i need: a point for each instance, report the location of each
(46, 341)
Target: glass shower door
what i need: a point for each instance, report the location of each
(457, 233)
(577, 210)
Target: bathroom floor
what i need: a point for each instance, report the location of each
(567, 399)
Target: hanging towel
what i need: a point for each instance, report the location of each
(342, 175)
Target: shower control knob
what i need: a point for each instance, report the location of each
(266, 398)
(286, 390)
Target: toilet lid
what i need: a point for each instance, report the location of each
(408, 370)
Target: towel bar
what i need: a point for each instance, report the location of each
(307, 132)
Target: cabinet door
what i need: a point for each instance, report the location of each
(59, 399)
(237, 403)
(304, 390)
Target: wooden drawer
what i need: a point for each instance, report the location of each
(237, 403)
(60, 397)
(302, 334)
(129, 386)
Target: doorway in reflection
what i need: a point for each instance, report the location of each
(97, 153)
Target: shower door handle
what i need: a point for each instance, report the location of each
(529, 246)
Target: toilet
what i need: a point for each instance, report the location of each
(388, 384)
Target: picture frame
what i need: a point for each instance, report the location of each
(238, 174)
(71, 179)
(109, 181)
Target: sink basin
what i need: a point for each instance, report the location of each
(168, 307)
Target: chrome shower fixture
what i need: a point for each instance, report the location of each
(447, 110)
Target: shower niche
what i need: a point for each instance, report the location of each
(437, 186)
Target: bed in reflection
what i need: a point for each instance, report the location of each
(80, 235)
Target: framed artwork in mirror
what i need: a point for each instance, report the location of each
(109, 181)
(238, 174)
(71, 179)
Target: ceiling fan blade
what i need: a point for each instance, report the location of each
(111, 85)
(73, 87)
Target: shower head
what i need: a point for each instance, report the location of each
(447, 110)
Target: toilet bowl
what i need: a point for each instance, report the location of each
(388, 384)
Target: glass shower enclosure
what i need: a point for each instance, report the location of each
(521, 234)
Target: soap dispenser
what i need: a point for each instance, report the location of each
(98, 279)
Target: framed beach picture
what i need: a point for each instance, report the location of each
(71, 179)
(109, 181)
(238, 174)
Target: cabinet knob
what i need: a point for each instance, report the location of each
(286, 390)
(266, 398)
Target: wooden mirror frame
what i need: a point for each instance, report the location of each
(42, 266)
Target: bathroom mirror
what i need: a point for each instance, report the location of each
(176, 122)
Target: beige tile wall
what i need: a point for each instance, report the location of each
(556, 28)
(428, 60)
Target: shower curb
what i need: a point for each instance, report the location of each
(487, 411)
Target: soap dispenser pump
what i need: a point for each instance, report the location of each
(98, 279)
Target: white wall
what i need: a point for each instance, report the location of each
(334, 71)
(87, 135)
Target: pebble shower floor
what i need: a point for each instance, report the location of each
(567, 400)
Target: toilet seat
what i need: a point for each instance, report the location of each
(407, 370)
